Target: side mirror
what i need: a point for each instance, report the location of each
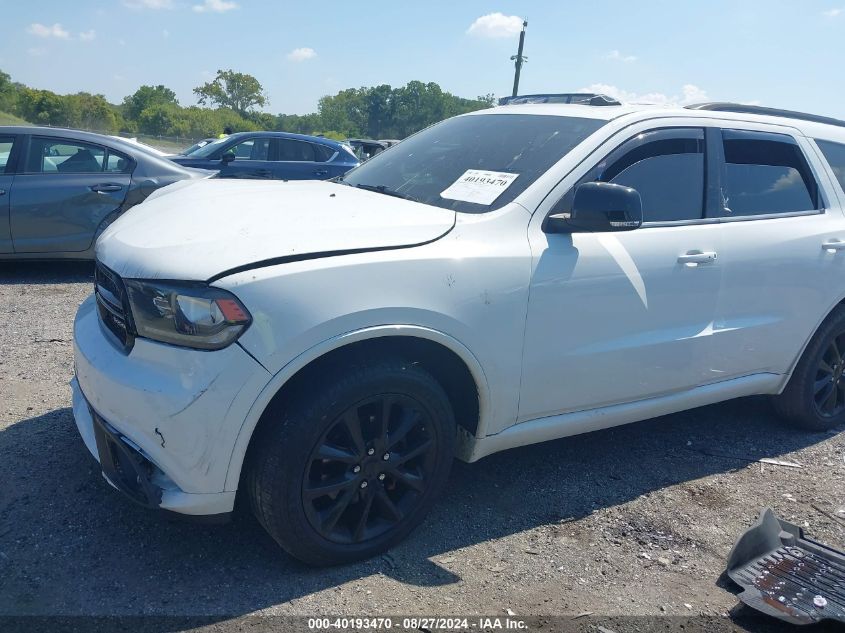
(228, 157)
(599, 207)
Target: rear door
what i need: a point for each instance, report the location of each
(783, 258)
(252, 160)
(7, 145)
(63, 191)
(299, 160)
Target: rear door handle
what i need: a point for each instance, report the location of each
(691, 259)
(264, 173)
(831, 246)
(321, 172)
(2, 192)
(105, 188)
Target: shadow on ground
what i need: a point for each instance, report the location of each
(70, 544)
(47, 272)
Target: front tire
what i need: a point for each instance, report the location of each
(345, 471)
(814, 398)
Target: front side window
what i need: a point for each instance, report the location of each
(445, 165)
(50, 155)
(665, 166)
(252, 149)
(835, 155)
(6, 143)
(765, 173)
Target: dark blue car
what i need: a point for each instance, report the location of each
(277, 155)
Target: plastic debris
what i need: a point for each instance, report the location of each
(787, 575)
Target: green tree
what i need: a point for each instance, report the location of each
(489, 99)
(146, 96)
(163, 119)
(237, 91)
(346, 111)
(8, 93)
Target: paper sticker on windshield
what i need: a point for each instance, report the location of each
(478, 186)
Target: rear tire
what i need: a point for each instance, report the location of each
(346, 470)
(814, 398)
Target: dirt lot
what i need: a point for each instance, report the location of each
(631, 521)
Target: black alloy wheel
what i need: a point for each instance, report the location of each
(814, 397)
(369, 469)
(829, 386)
(350, 460)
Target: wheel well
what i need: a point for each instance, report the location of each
(442, 363)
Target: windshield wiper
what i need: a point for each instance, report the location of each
(386, 191)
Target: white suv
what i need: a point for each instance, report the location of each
(505, 277)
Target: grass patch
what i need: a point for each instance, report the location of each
(11, 119)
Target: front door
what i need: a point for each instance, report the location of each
(62, 195)
(622, 316)
(251, 160)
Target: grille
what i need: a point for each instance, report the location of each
(113, 305)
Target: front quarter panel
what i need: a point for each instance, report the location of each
(470, 286)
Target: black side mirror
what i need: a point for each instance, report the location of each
(228, 157)
(599, 207)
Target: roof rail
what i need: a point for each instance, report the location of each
(580, 98)
(717, 106)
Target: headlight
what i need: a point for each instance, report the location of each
(191, 315)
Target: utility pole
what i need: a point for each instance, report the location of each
(519, 59)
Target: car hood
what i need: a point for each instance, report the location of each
(202, 229)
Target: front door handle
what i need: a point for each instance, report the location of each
(831, 246)
(264, 173)
(321, 172)
(692, 259)
(105, 188)
(2, 192)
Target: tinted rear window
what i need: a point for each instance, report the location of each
(835, 155)
(765, 173)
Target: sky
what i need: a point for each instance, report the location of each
(787, 54)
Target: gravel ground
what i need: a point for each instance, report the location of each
(634, 521)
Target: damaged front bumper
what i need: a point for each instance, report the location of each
(162, 420)
(127, 468)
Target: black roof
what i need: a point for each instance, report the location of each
(739, 108)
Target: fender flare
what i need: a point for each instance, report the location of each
(788, 375)
(236, 459)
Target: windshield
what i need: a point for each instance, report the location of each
(196, 146)
(208, 150)
(475, 163)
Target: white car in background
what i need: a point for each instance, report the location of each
(504, 277)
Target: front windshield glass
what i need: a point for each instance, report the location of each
(197, 146)
(475, 163)
(208, 150)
